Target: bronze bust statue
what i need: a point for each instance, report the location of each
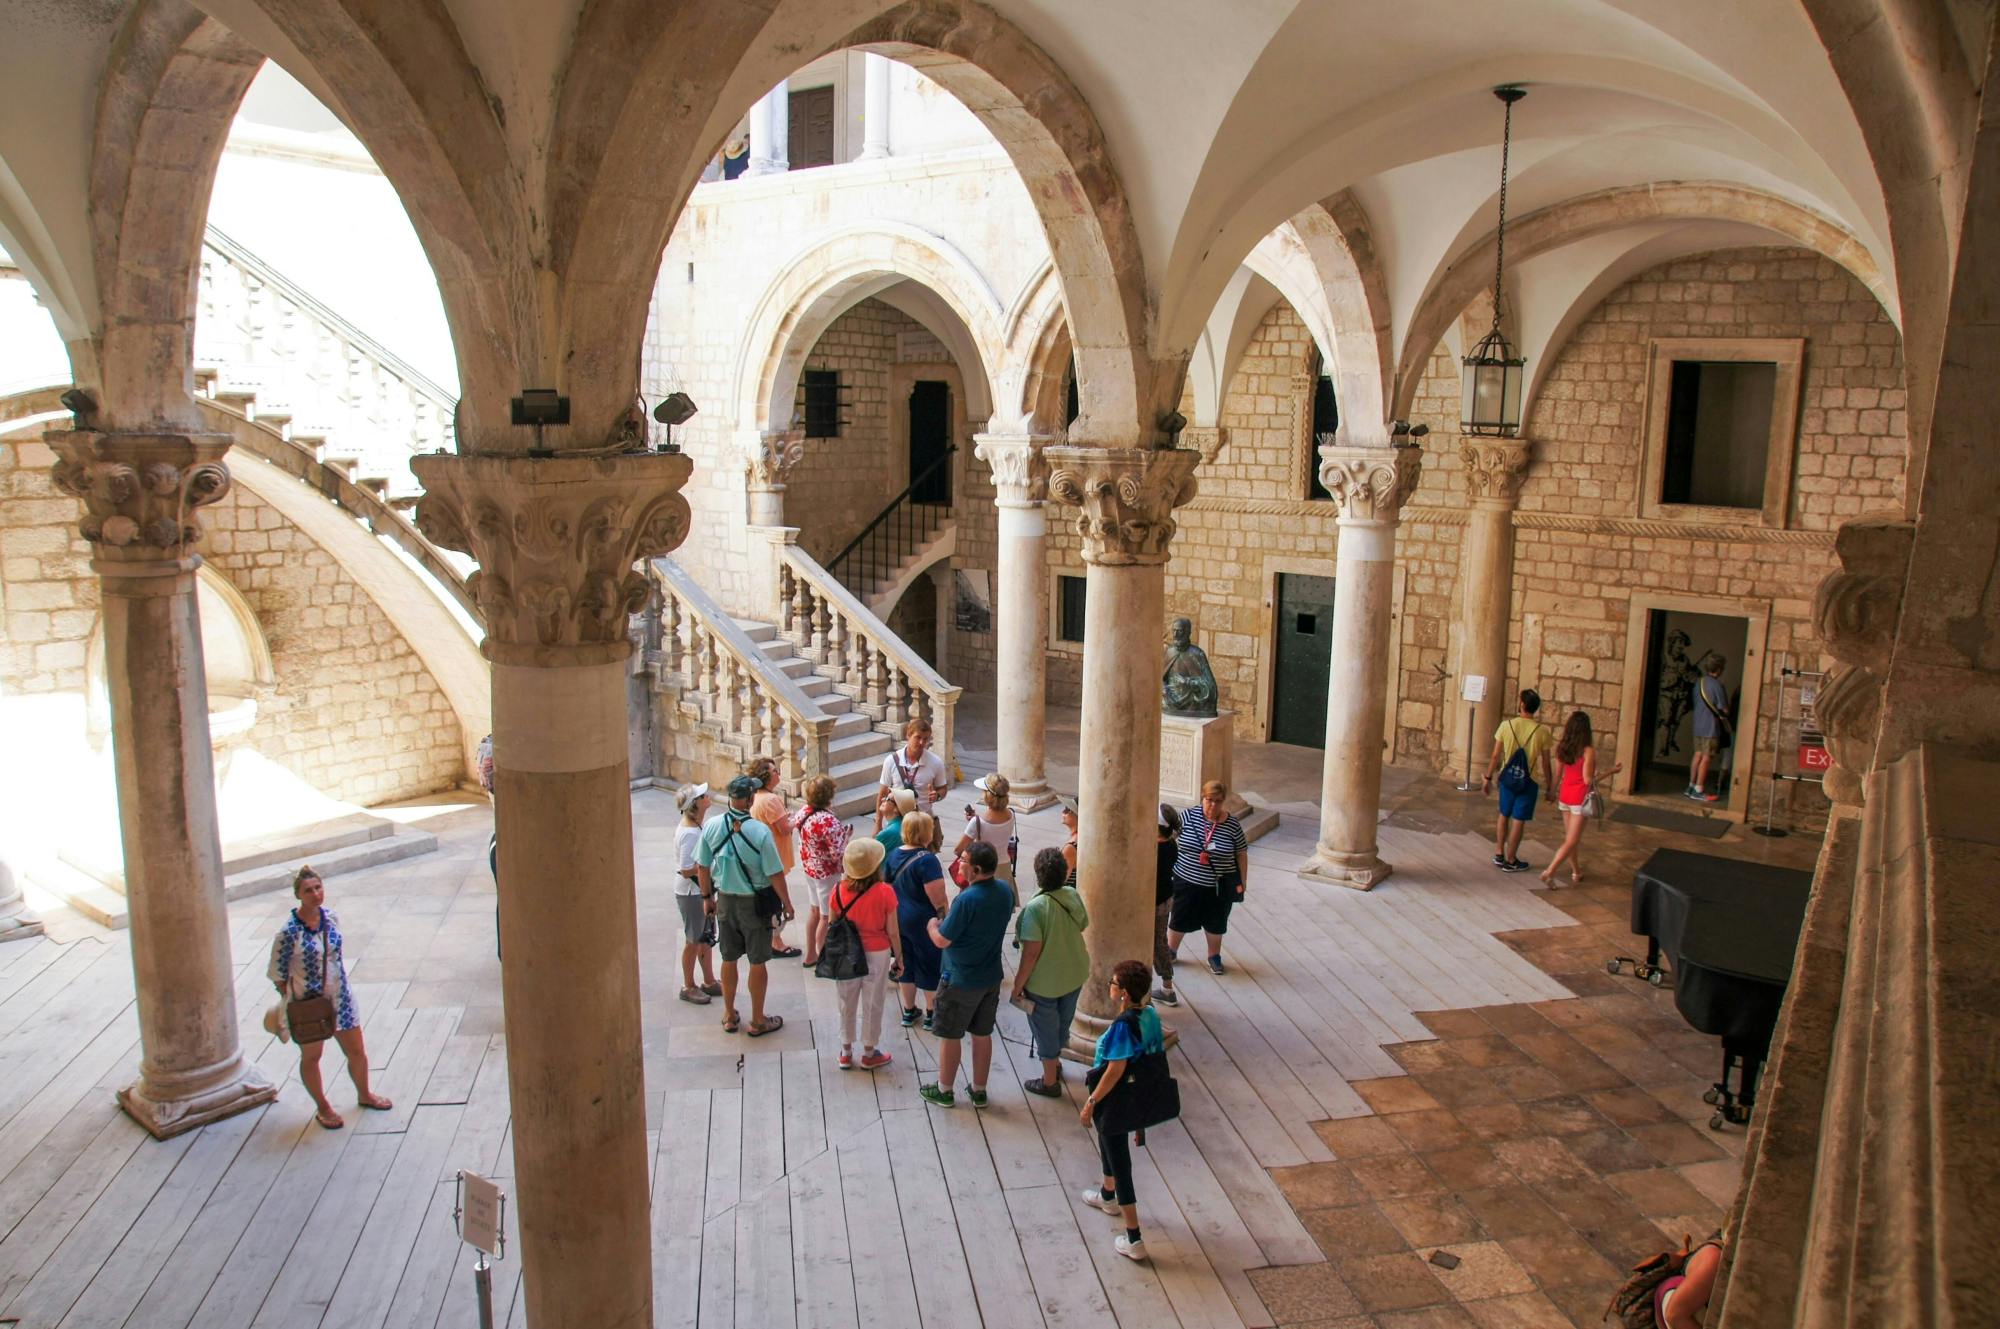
(1187, 686)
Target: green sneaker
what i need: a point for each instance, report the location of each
(936, 1096)
(977, 1096)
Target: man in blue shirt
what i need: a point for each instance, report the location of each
(737, 855)
(1711, 727)
(970, 935)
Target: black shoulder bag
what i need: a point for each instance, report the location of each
(1145, 1095)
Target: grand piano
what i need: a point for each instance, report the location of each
(1728, 929)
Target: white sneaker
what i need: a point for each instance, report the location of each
(1094, 1197)
(1130, 1249)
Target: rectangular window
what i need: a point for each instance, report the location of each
(1069, 617)
(822, 393)
(1718, 433)
(1325, 419)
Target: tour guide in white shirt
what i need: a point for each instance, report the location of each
(736, 856)
(915, 767)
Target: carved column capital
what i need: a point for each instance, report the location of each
(556, 539)
(1494, 469)
(1855, 612)
(140, 493)
(1370, 484)
(1019, 463)
(770, 455)
(1125, 498)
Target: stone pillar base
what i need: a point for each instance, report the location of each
(164, 1116)
(1356, 871)
(1085, 1030)
(24, 925)
(1029, 796)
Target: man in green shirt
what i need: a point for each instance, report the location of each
(736, 857)
(1054, 965)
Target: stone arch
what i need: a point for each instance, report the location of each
(837, 272)
(175, 79)
(1032, 399)
(612, 125)
(1592, 215)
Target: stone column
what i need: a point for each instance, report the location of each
(770, 132)
(1126, 498)
(1493, 471)
(556, 540)
(875, 106)
(16, 922)
(1370, 484)
(768, 458)
(140, 493)
(1021, 611)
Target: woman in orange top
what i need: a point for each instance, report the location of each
(865, 900)
(768, 806)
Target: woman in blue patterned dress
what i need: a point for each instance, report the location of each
(300, 968)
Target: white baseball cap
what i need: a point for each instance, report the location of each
(685, 796)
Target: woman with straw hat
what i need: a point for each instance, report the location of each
(869, 903)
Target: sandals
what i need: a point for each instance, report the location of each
(786, 952)
(731, 1022)
(377, 1103)
(329, 1120)
(771, 1025)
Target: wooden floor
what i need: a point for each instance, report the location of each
(784, 1191)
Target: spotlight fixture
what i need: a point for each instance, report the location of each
(676, 408)
(1493, 370)
(79, 404)
(541, 406)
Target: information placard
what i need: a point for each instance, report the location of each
(1475, 687)
(479, 1225)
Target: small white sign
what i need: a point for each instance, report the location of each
(1475, 687)
(1807, 696)
(479, 1225)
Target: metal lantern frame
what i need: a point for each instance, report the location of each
(1494, 371)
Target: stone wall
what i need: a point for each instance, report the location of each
(352, 710)
(843, 482)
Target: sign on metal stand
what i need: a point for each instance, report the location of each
(1474, 692)
(479, 1211)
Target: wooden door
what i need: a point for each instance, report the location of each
(811, 128)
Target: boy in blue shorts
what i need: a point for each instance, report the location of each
(1520, 749)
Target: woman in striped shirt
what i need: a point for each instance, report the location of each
(1210, 871)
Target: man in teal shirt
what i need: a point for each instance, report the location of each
(970, 936)
(737, 855)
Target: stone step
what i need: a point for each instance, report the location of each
(757, 630)
(847, 721)
(793, 666)
(856, 802)
(851, 774)
(106, 865)
(815, 686)
(867, 743)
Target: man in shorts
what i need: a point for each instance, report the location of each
(970, 936)
(735, 857)
(1520, 748)
(1711, 725)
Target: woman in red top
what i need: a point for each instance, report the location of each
(1577, 775)
(868, 902)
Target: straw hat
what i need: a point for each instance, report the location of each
(862, 857)
(905, 801)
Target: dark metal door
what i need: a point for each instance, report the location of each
(809, 129)
(930, 441)
(1304, 658)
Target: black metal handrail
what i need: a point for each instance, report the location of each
(873, 556)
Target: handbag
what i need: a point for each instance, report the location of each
(311, 1018)
(1146, 1095)
(1593, 804)
(841, 954)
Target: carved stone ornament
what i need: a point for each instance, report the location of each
(556, 537)
(770, 456)
(140, 492)
(1855, 611)
(1494, 468)
(1019, 465)
(1370, 484)
(1125, 498)
(1208, 440)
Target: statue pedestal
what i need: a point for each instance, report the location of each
(1193, 751)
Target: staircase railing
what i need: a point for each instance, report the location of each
(313, 375)
(888, 682)
(898, 530)
(707, 666)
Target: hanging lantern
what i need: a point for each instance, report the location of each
(1493, 371)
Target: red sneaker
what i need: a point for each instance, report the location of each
(875, 1060)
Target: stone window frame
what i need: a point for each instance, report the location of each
(1746, 753)
(1305, 448)
(1780, 454)
(1056, 644)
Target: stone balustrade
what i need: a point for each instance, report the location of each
(712, 672)
(888, 681)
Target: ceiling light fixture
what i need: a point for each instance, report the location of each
(1493, 370)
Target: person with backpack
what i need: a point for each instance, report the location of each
(1520, 748)
(861, 926)
(1053, 967)
(1670, 1290)
(1711, 729)
(743, 881)
(1134, 1036)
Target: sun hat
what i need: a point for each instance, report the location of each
(862, 857)
(685, 796)
(1068, 803)
(905, 800)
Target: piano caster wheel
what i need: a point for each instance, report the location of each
(1658, 978)
(1715, 1122)
(1614, 967)
(1711, 1096)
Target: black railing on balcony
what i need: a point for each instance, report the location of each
(872, 557)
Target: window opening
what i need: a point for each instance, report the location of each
(822, 406)
(1325, 420)
(1070, 592)
(1718, 432)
